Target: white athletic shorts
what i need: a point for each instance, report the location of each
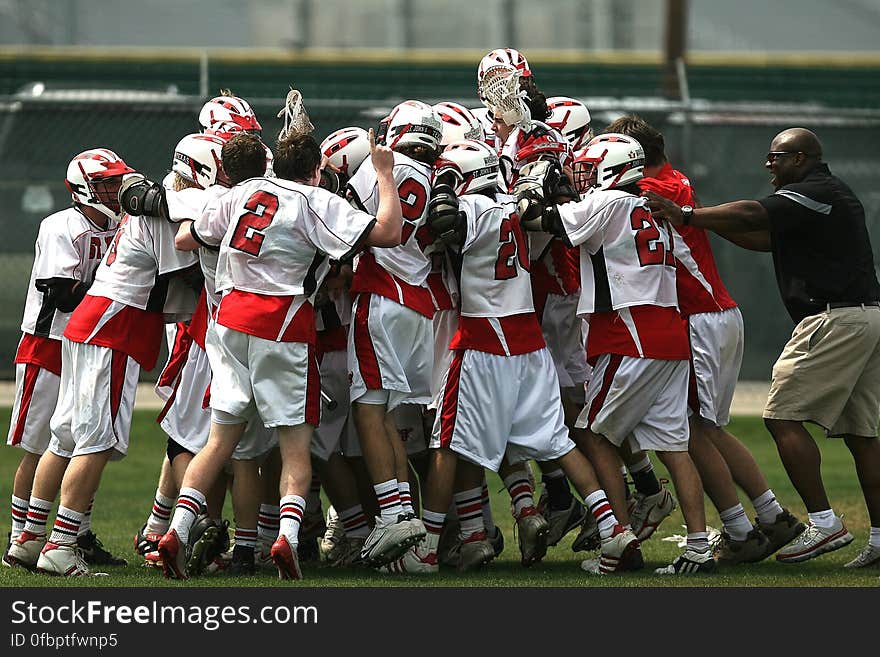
(566, 339)
(445, 327)
(716, 356)
(36, 394)
(410, 428)
(98, 386)
(254, 377)
(495, 404)
(639, 397)
(334, 424)
(187, 414)
(390, 347)
(177, 340)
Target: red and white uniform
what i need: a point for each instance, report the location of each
(115, 331)
(391, 344)
(637, 340)
(501, 393)
(526, 145)
(715, 324)
(444, 293)
(332, 320)
(69, 246)
(272, 259)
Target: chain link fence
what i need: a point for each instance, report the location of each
(720, 146)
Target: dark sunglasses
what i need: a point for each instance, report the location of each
(772, 156)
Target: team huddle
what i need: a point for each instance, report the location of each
(385, 317)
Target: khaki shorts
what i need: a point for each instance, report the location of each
(829, 373)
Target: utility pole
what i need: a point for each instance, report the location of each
(675, 46)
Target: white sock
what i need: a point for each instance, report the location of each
(405, 491)
(824, 519)
(736, 523)
(268, 521)
(19, 515)
(388, 496)
(189, 505)
(292, 509)
(698, 541)
(86, 525)
(37, 514)
(597, 503)
(160, 515)
(874, 538)
(767, 507)
(67, 522)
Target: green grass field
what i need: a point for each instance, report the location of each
(126, 492)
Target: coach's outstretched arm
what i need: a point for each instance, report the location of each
(389, 221)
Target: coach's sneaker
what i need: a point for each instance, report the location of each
(563, 521)
(286, 560)
(390, 539)
(690, 563)
(869, 556)
(94, 553)
(781, 531)
(753, 548)
(25, 550)
(334, 533)
(587, 539)
(414, 561)
(174, 555)
(650, 511)
(815, 541)
(620, 552)
(62, 559)
(146, 541)
(532, 529)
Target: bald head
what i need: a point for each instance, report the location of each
(798, 140)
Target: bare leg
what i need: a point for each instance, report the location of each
(713, 470)
(866, 454)
(688, 488)
(24, 475)
(296, 462)
(606, 463)
(49, 475)
(802, 460)
(742, 464)
(376, 444)
(245, 493)
(205, 467)
(81, 480)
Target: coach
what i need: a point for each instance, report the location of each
(829, 372)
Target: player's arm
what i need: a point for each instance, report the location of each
(63, 293)
(389, 220)
(735, 217)
(756, 240)
(184, 240)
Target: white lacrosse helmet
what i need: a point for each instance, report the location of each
(500, 92)
(611, 160)
(346, 149)
(475, 164)
(224, 130)
(505, 57)
(572, 118)
(229, 109)
(198, 159)
(414, 122)
(93, 178)
(458, 123)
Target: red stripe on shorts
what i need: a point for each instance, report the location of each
(607, 380)
(27, 393)
(313, 389)
(693, 395)
(118, 363)
(177, 359)
(368, 364)
(450, 399)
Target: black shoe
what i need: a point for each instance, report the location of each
(145, 542)
(94, 553)
(242, 565)
(208, 540)
(6, 551)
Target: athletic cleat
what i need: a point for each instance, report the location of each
(497, 541)
(447, 548)
(753, 548)
(145, 541)
(588, 538)
(6, 553)
(563, 521)
(532, 531)
(208, 539)
(413, 562)
(869, 556)
(815, 541)
(174, 555)
(263, 554)
(241, 565)
(25, 550)
(334, 533)
(94, 553)
(650, 511)
(390, 540)
(152, 560)
(620, 552)
(690, 563)
(781, 531)
(346, 552)
(475, 551)
(64, 560)
(286, 560)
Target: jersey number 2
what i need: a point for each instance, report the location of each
(649, 241)
(513, 247)
(247, 237)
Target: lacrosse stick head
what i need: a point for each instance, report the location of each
(296, 119)
(500, 92)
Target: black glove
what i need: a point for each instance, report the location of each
(139, 196)
(333, 181)
(445, 221)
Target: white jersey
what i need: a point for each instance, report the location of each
(279, 233)
(526, 145)
(626, 254)
(137, 264)
(413, 179)
(68, 246)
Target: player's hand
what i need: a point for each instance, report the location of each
(382, 156)
(663, 208)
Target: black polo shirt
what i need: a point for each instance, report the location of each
(821, 249)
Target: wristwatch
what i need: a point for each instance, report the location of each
(687, 212)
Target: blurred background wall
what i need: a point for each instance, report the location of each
(131, 76)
